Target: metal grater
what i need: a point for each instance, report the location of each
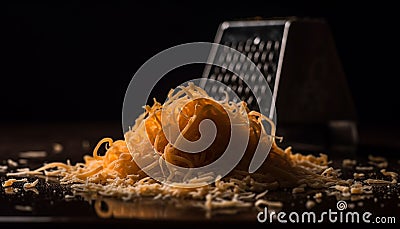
(298, 59)
(261, 42)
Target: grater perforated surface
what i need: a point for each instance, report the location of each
(261, 42)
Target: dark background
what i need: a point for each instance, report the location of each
(73, 62)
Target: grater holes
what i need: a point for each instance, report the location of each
(260, 79)
(220, 77)
(246, 76)
(223, 68)
(234, 78)
(234, 87)
(269, 45)
(221, 59)
(250, 100)
(228, 43)
(253, 48)
(233, 45)
(228, 57)
(276, 45)
(237, 67)
(241, 84)
(250, 55)
(259, 66)
(256, 87)
(226, 78)
(263, 56)
(265, 68)
(240, 46)
(240, 89)
(245, 66)
(252, 68)
(270, 56)
(273, 69)
(246, 91)
(235, 57)
(242, 58)
(248, 45)
(263, 89)
(231, 66)
(261, 45)
(253, 78)
(256, 56)
(269, 78)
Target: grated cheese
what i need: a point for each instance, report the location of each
(31, 185)
(10, 182)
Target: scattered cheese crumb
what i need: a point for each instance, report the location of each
(23, 161)
(57, 148)
(23, 170)
(364, 168)
(272, 204)
(310, 204)
(348, 162)
(33, 154)
(318, 195)
(383, 164)
(69, 196)
(342, 188)
(298, 190)
(376, 158)
(34, 190)
(10, 190)
(356, 190)
(393, 175)
(261, 195)
(3, 168)
(23, 208)
(31, 185)
(10, 182)
(376, 181)
(85, 144)
(12, 163)
(358, 175)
